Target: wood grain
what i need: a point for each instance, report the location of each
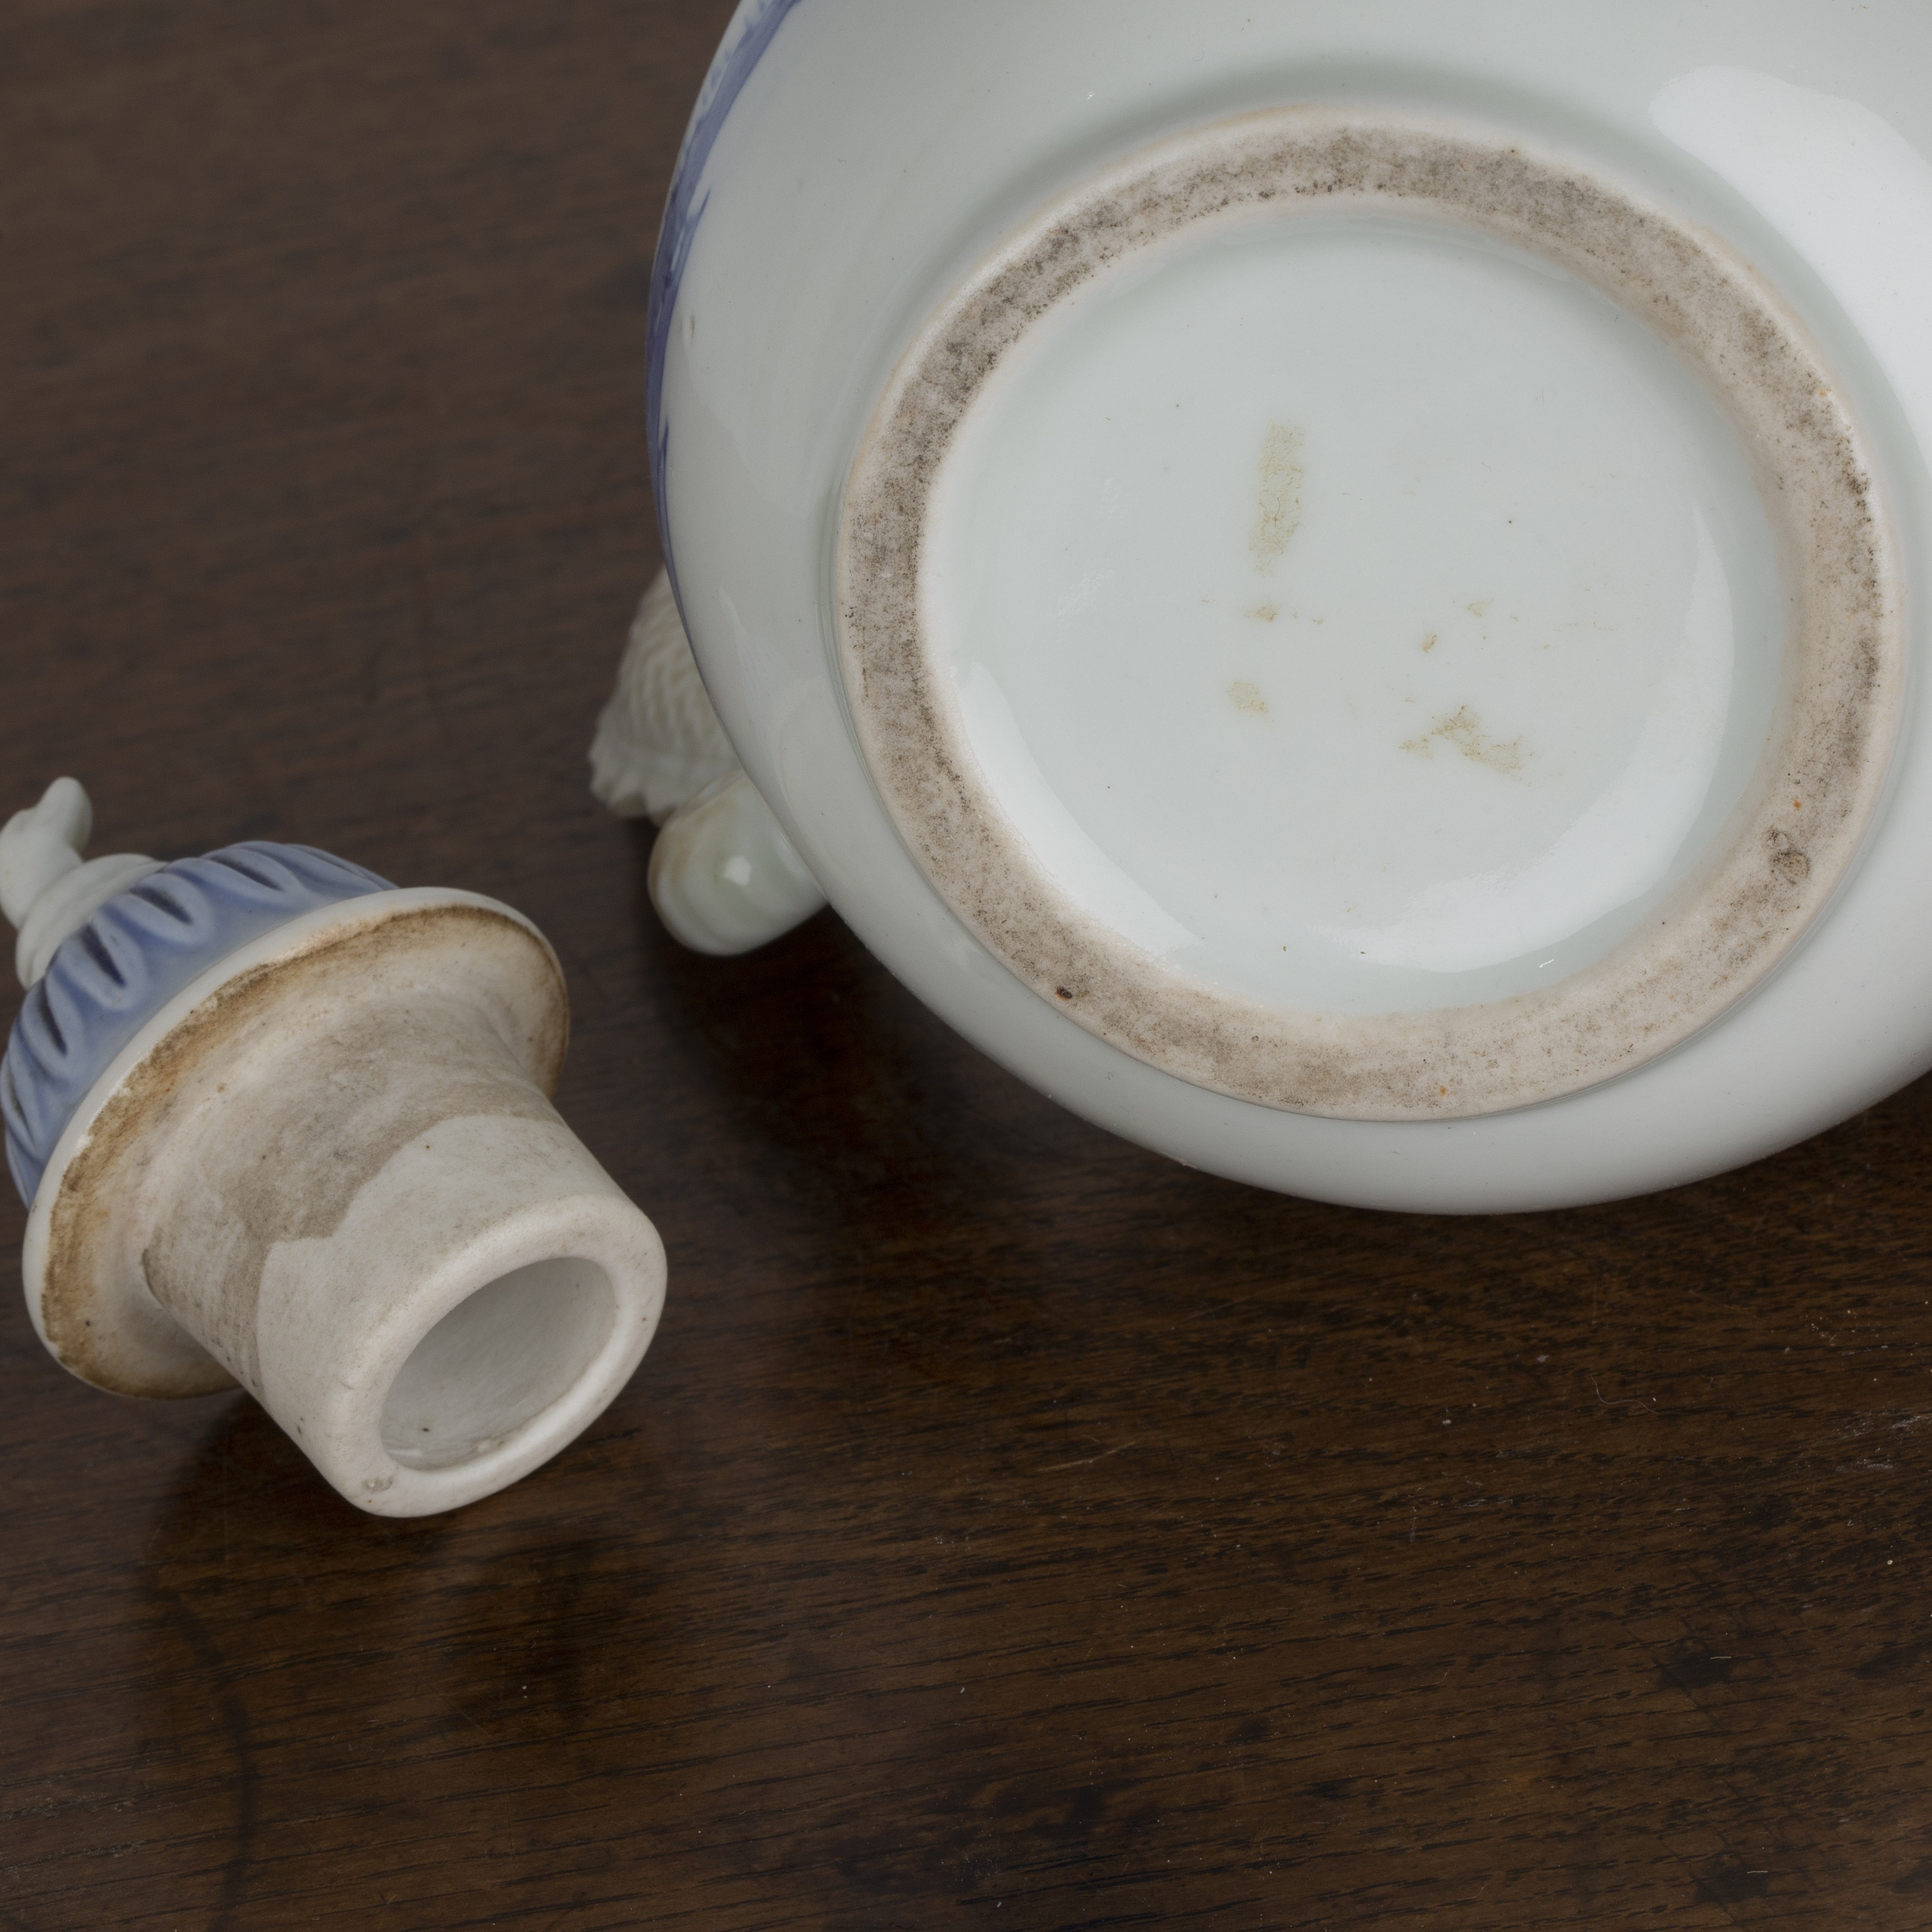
(1007, 1523)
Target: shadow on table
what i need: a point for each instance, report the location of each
(329, 1687)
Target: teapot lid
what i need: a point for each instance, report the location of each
(123, 959)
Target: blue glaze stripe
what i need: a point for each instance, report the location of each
(110, 977)
(750, 33)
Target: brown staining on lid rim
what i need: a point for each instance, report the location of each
(345, 993)
(1717, 936)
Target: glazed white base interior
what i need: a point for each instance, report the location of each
(1354, 611)
(1306, 617)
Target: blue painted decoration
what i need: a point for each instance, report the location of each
(110, 976)
(745, 41)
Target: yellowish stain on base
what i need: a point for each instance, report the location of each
(1247, 697)
(1278, 505)
(1463, 730)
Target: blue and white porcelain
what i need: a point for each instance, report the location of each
(1337, 586)
(282, 1124)
(126, 959)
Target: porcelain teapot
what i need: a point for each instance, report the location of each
(1334, 585)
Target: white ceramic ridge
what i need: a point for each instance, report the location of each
(796, 276)
(723, 877)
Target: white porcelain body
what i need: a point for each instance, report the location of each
(875, 154)
(327, 1169)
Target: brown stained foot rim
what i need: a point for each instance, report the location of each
(1760, 884)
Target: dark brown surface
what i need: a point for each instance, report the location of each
(1007, 1523)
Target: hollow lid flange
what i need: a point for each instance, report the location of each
(300, 1052)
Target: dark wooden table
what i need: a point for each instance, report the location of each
(1006, 1522)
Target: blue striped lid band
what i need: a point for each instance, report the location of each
(132, 954)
